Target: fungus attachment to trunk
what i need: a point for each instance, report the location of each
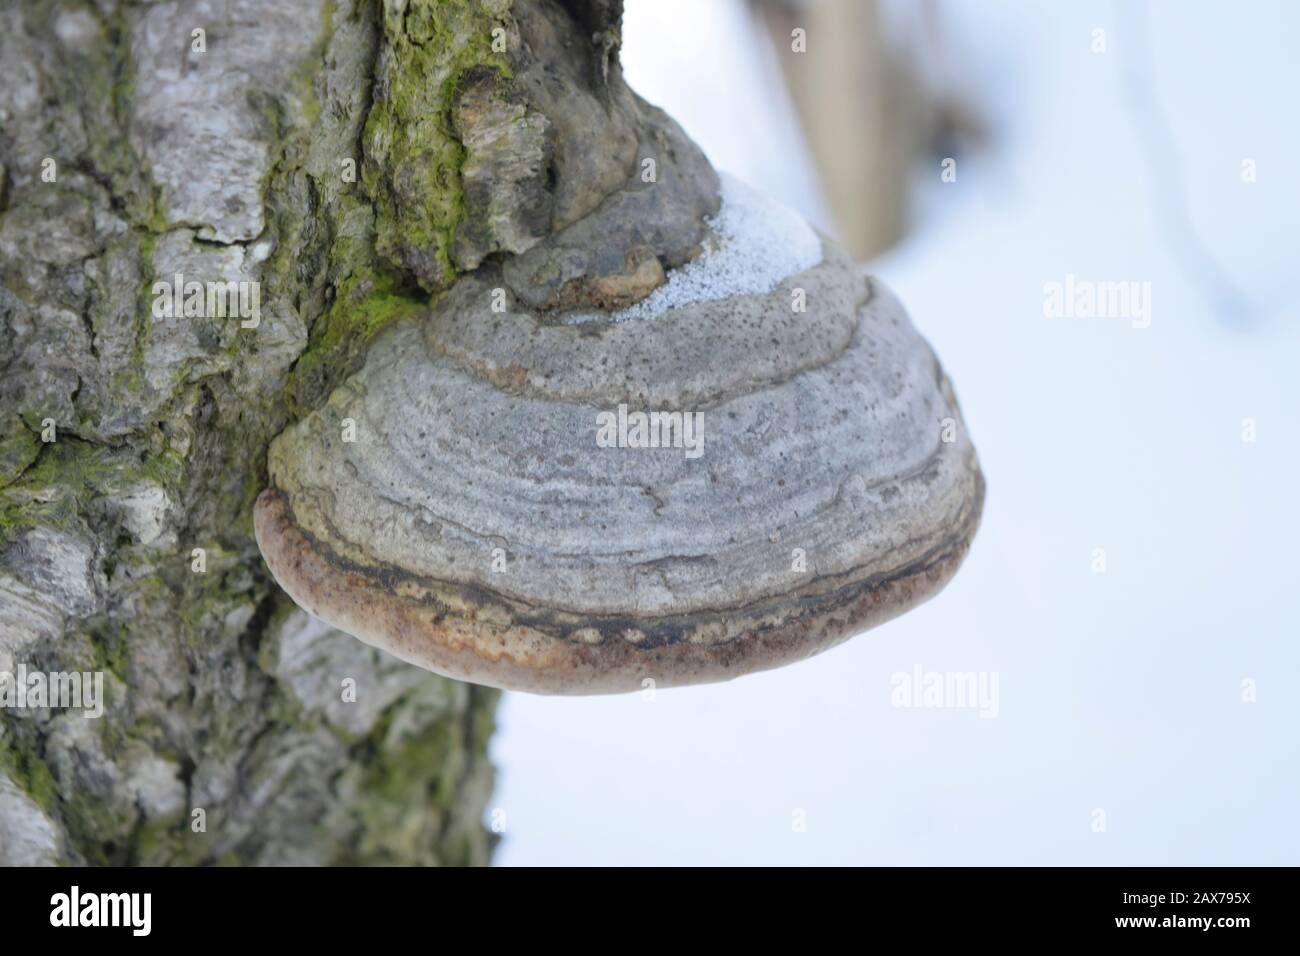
(657, 428)
(754, 462)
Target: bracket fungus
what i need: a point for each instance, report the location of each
(680, 437)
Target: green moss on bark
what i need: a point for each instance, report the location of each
(413, 158)
(30, 774)
(346, 264)
(364, 305)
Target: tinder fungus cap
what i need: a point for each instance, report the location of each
(752, 463)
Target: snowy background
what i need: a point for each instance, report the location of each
(1119, 691)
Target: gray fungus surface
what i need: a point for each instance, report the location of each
(453, 501)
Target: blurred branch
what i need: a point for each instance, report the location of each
(1156, 137)
(871, 107)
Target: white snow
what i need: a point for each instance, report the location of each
(757, 244)
(1120, 691)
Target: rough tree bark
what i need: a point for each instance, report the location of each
(125, 543)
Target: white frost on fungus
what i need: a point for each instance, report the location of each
(757, 244)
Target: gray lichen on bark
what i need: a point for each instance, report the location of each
(223, 164)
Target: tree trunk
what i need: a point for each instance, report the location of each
(312, 147)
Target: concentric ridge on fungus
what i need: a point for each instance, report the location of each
(475, 527)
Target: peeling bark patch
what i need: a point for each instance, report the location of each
(505, 172)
